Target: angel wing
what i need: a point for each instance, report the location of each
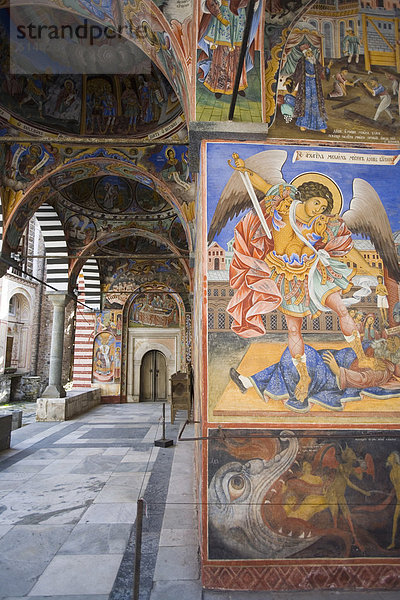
(234, 197)
(367, 216)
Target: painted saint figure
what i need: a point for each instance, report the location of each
(309, 104)
(174, 170)
(221, 34)
(393, 461)
(295, 261)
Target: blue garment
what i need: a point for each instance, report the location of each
(279, 380)
(312, 117)
(379, 90)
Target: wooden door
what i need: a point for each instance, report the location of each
(153, 377)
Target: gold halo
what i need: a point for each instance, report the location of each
(328, 182)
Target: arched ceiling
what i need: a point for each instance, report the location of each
(90, 86)
(89, 90)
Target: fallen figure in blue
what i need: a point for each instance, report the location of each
(336, 377)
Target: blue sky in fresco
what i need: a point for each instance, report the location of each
(385, 179)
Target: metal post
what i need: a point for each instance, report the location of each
(138, 548)
(243, 50)
(163, 443)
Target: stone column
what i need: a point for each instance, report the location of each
(55, 388)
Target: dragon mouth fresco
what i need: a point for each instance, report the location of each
(242, 506)
(305, 497)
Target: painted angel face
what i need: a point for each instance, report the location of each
(315, 206)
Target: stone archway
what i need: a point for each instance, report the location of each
(144, 340)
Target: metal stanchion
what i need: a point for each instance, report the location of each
(138, 548)
(163, 442)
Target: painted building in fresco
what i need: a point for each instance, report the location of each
(196, 195)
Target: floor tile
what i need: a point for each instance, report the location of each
(175, 563)
(178, 537)
(79, 574)
(81, 597)
(118, 512)
(25, 552)
(174, 590)
(97, 538)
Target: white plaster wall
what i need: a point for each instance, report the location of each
(8, 288)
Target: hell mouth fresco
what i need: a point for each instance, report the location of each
(294, 495)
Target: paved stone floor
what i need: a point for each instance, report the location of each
(68, 498)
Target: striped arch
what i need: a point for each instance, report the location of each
(55, 245)
(91, 277)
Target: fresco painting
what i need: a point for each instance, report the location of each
(279, 18)
(302, 283)
(292, 494)
(79, 231)
(103, 358)
(220, 36)
(339, 75)
(107, 351)
(156, 309)
(113, 194)
(135, 104)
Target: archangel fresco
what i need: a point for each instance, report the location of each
(274, 495)
(154, 309)
(305, 291)
(339, 76)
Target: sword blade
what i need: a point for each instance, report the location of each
(250, 190)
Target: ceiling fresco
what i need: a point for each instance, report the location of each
(164, 38)
(25, 166)
(146, 213)
(129, 274)
(139, 103)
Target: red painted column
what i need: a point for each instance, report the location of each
(84, 336)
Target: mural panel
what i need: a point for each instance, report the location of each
(154, 310)
(305, 309)
(284, 494)
(220, 38)
(339, 75)
(107, 351)
(135, 101)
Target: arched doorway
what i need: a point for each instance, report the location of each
(153, 377)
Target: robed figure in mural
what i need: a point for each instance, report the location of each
(220, 39)
(309, 105)
(289, 254)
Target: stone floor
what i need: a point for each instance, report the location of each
(68, 500)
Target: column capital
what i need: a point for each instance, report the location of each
(58, 298)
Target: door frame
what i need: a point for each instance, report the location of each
(155, 382)
(144, 339)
